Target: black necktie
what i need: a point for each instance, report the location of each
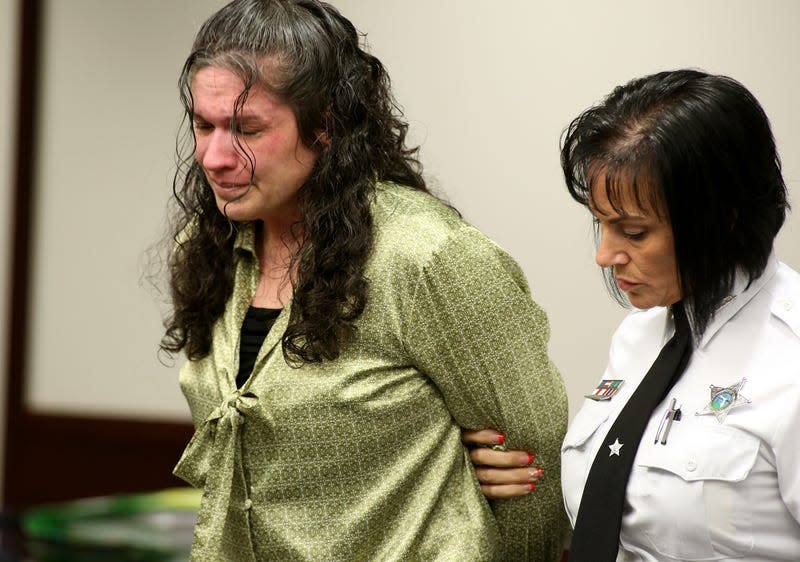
(596, 536)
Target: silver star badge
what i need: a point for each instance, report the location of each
(615, 447)
(724, 399)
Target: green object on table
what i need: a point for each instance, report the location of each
(146, 527)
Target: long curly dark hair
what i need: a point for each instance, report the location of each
(317, 66)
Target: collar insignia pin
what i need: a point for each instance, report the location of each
(615, 447)
(724, 399)
(605, 390)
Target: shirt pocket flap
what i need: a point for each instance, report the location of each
(590, 417)
(703, 453)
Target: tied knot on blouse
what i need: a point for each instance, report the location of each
(212, 461)
(209, 459)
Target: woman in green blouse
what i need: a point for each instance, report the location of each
(340, 322)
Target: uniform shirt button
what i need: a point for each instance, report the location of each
(787, 304)
(691, 466)
(248, 503)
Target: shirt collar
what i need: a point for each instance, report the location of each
(246, 238)
(740, 296)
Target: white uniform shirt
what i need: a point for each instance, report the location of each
(717, 490)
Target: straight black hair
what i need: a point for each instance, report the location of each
(701, 153)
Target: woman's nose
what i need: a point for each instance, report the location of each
(609, 253)
(217, 152)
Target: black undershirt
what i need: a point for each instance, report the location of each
(257, 324)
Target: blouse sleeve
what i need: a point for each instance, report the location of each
(476, 332)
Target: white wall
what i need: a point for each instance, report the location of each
(487, 87)
(8, 75)
(108, 120)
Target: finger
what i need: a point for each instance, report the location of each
(487, 437)
(507, 490)
(501, 459)
(522, 476)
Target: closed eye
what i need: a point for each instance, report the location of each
(248, 125)
(202, 126)
(248, 132)
(634, 234)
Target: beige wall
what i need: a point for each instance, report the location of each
(107, 135)
(487, 87)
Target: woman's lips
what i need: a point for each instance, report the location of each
(625, 285)
(228, 190)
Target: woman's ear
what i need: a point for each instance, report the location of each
(322, 136)
(322, 139)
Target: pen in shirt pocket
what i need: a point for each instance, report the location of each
(673, 414)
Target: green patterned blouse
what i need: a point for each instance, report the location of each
(360, 458)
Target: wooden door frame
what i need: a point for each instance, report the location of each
(50, 458)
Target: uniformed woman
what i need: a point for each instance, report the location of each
(699, 433)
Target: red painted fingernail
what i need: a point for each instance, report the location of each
(532, 486)
(500, 438)
(530, 458)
